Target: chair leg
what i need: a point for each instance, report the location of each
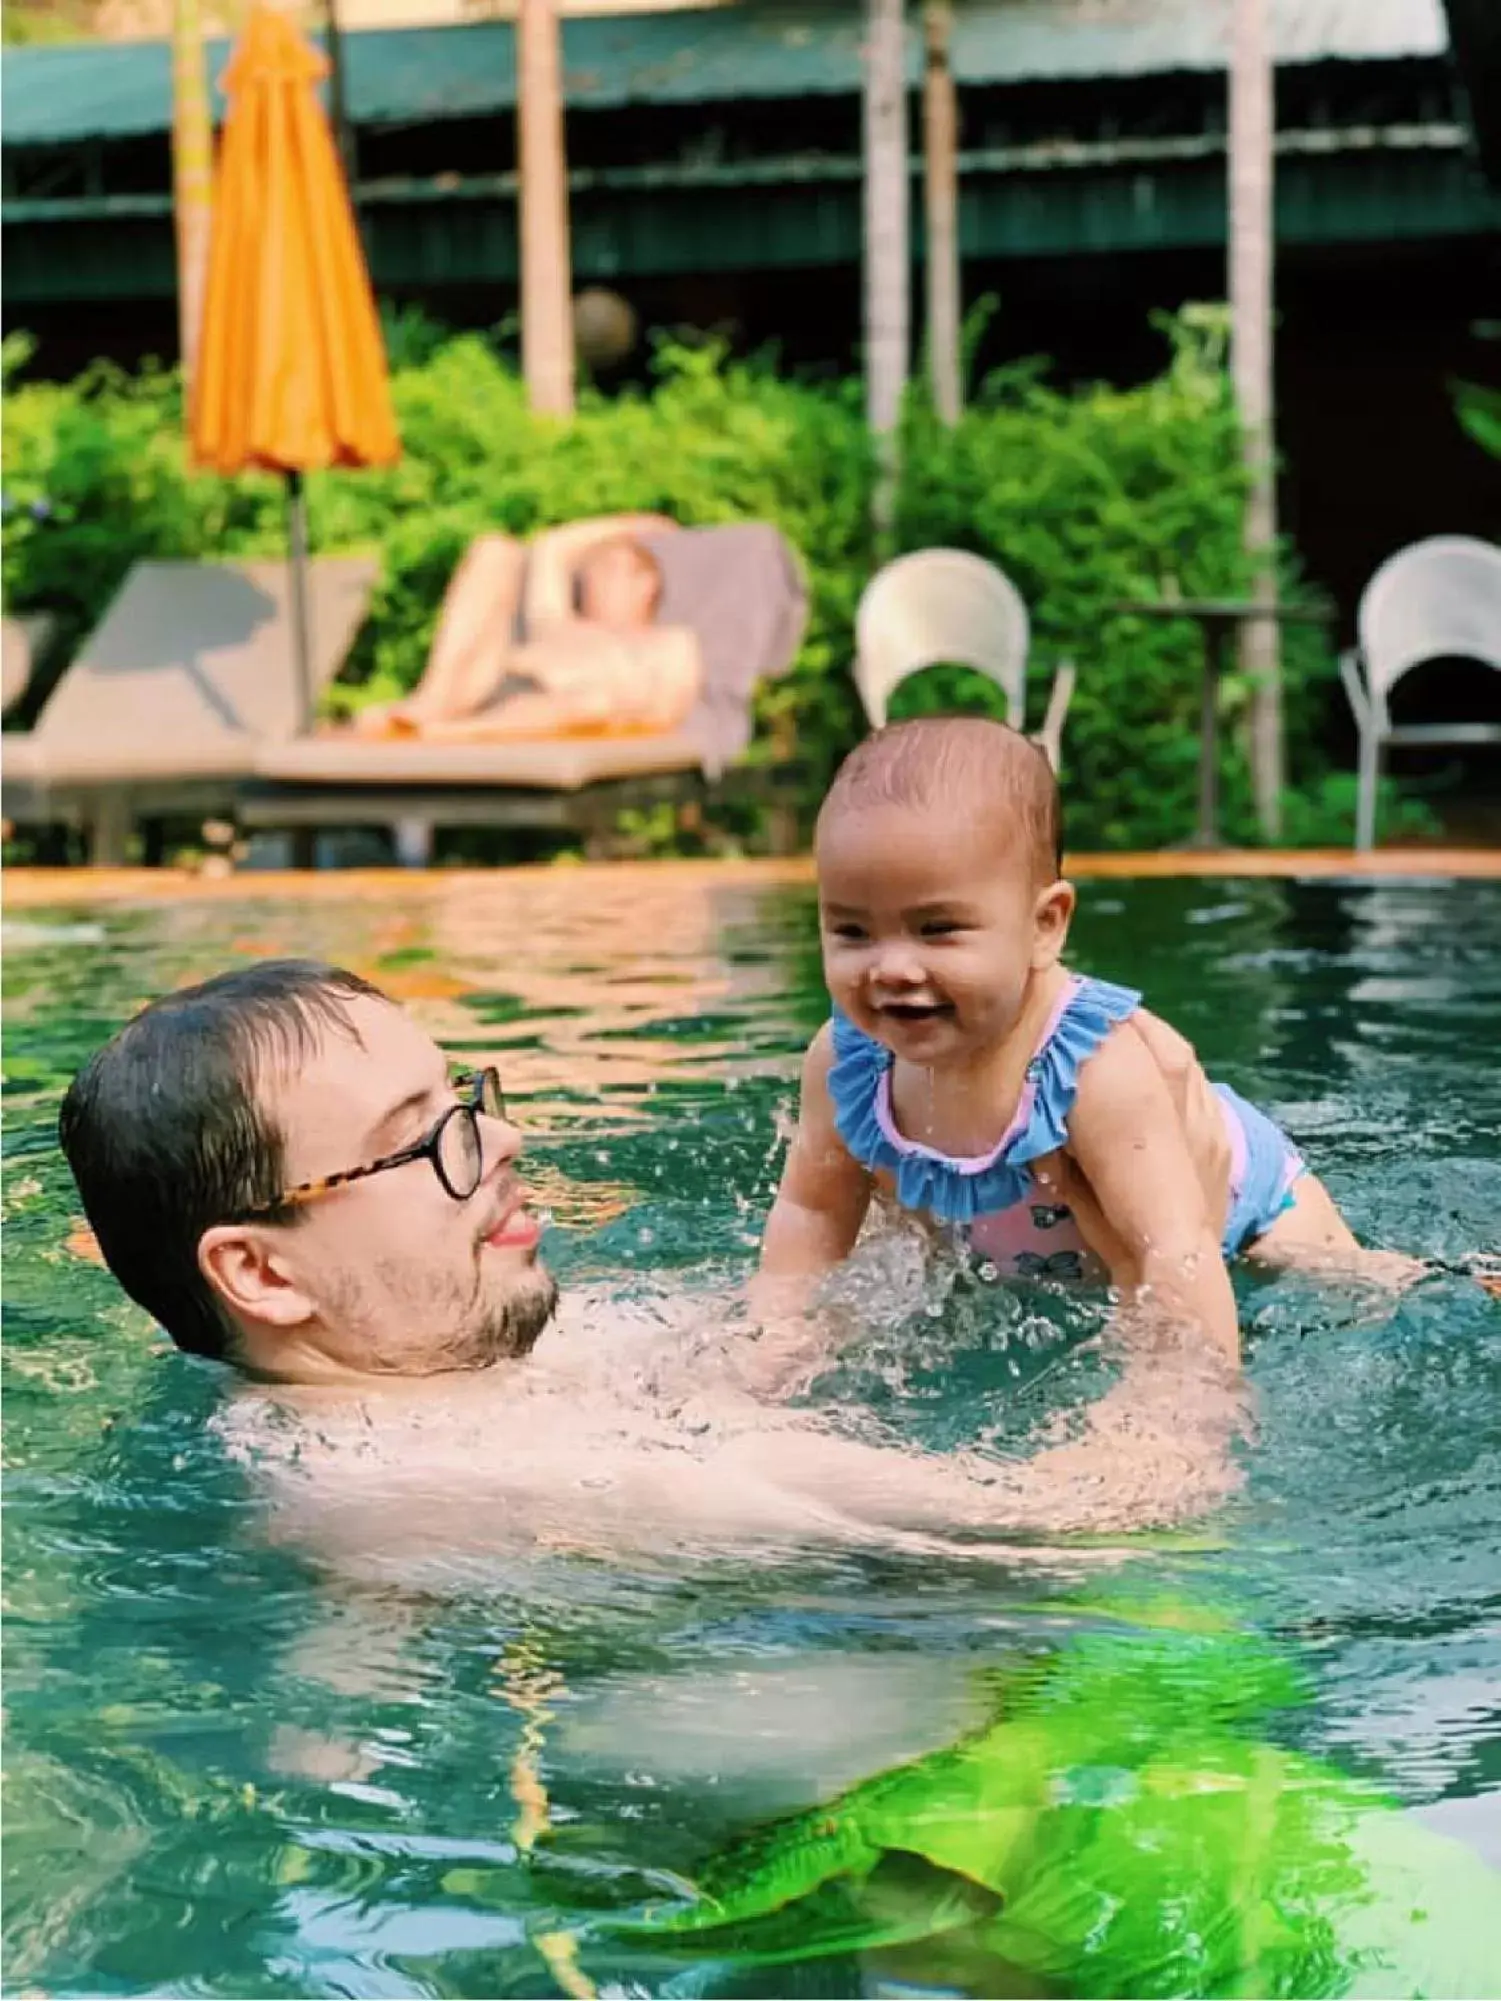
(1050, 736)
(412, 838)
(1370, 779)
(109, 830)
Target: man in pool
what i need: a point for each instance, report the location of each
(277, 1165)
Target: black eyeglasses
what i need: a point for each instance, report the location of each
(453, 1145)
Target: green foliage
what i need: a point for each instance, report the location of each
(1084, 497)
(1480, 412)
(23, 21)
(96, 478)
(1101, 497)
(1478, 405)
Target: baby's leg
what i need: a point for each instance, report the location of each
(1313, 1236)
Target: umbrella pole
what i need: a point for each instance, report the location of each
(297, 546)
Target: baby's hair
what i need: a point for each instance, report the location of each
(969, 766)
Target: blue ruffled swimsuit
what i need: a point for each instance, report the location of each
(993, 1197)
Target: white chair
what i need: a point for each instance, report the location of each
(945, 607)
(1432, 600)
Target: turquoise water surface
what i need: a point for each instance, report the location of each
(229, 1773)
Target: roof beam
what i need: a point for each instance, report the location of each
(808, 217)
(1475, 38)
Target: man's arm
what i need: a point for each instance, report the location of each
(1154, 1450)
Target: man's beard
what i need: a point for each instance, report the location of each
(512, 1326)
(476, 1330)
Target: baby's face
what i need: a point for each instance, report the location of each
(930, 934)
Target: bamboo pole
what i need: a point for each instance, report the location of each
(888, 256)
(546, 310)
(338, 101)
(941, 206)
(1251, 308)
(192, 179)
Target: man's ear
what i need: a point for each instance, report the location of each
(243, 1265)
(1051, 916)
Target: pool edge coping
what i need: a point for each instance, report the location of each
(29, 887)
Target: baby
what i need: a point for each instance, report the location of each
(966, 1073)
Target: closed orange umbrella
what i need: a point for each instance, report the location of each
(291, 369)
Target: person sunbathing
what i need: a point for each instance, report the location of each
(591, 658)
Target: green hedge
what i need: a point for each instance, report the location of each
(1084, 497)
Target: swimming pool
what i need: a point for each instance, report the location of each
(230, 1773)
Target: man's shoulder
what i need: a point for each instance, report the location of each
(251, 1424)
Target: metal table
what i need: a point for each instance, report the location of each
(1220, 621)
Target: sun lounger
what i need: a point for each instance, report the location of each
(186, 679)
(739, 588)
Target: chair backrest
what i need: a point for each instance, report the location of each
(1434, 598)
(192, 665)
(740, 589)
(936, 606)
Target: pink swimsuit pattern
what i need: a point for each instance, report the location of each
(994, 1197)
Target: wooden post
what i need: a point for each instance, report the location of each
(546, 310)
(1251, 254)
(888, 256)
(941, 205)
(192, 179)
(338, 102)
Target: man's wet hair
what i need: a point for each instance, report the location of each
(981, 772)
(167, 1128)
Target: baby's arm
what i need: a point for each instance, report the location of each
(1145, 1209)
(823, 1197)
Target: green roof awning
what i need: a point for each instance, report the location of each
(756, 49)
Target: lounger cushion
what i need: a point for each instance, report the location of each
(739, 588)
(558, 764)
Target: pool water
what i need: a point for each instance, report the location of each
(230, 1772)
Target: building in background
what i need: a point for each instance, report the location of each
(715, 171)
(151, 20)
